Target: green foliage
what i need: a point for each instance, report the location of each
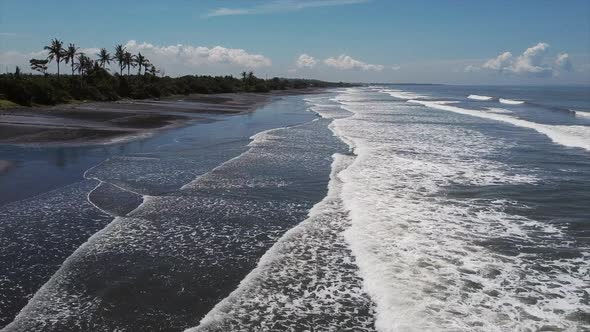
(96, 83)
(56, 52)
(39, 65)
(7, 104)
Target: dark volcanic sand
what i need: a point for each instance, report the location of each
(100, 123)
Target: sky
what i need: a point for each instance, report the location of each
(419, 41)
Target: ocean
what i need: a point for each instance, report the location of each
(374, 208)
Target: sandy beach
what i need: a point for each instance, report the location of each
(107, 122)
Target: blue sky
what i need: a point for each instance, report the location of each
(460, 42)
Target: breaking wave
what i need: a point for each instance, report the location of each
(478, 97)
(510, 101)
(573, 136)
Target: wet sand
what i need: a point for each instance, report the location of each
(108, 122)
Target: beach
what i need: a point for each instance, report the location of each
(104, 122)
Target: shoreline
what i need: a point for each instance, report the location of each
(101, 123)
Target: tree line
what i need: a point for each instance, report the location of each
(91, 79)
(82, 63)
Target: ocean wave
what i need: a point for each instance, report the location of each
(403, 94)
(315, 251)
(510, 101)
(572, 136)
(478, 97)
(581, 114)
(499, 110)
(421, 254)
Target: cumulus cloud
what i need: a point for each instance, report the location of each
(396, 67)
(500, 63)
(176, 59)
(345, 62)
(198, 55)
(278, 6)
(563, 61)
(532, 62)
(306, 61)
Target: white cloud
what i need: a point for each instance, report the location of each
(281, 6)
(306, 61)
(396, 67)
(10, 59)
(345, 62)
(228, 12)
(532, 62)
(177, 59)
(195, 56)
(500, 62)
(563, 61)
(472, 69)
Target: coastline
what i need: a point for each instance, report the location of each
(99, 123)
(206, 156)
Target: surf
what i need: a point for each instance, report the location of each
(478, 97)
(571, 136)
(422, 255)
(510, 101)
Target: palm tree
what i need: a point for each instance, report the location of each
(70, 54)
(251, 79)
(104, 58)
(120, 57)
(129, 61)
(84, 64)
(244, 80)
(141, 61)
(39, 65)
(56, 52)
(152, 70)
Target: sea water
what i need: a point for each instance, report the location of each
(448, 208)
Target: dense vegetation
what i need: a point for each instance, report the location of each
(91, 80)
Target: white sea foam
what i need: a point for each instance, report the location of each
(429, 261)
(403, 94)
(478, 97)
(582, 114)
(499, 110)
(510, 101)
(315, 252)
(573, 136)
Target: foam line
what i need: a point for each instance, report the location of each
(403, 94)
(572, 136)
(510, 101)
(478, 97)
(223, 310)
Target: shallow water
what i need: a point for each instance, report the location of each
(174, 198)
(412, 208)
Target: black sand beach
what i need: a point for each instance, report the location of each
(99, 123)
